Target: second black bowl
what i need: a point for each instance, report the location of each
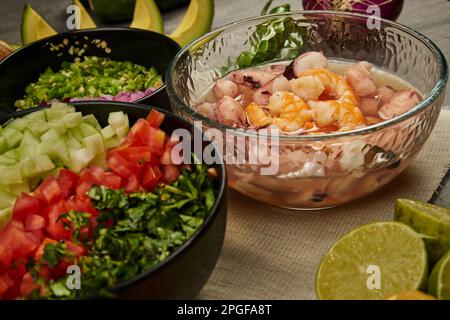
(138, 46)
(185, 271)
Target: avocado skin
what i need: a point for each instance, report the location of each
(122, 10)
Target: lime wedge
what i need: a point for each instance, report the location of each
(86, 21)
(374, 261)
(439, 284)
(412, 295)
(430, 220)
(34, 27)
(147, 16)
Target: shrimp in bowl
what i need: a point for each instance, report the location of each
(313, 96)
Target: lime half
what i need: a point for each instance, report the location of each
(430, 220)
(374, 261)
(439, 284)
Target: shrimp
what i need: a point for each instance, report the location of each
(262, 95)
(309, 60)
(343, 110)
(285, 110)
(360, 78)
(401, 102)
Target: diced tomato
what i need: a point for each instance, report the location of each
(24, 206)
(166, 157)
(56, 228)
(150, 177)
(155, 118)
(40, 251)
(15, 243)
(17, 271)
(156, 140)
(83, 189)
(97, 174)
(5, 283)
(137, 154)
(170, 174)
(119, 164)
(76, 249)
(81, 206)
(34, 222)
(17, 224)
(27, 285)
(138, 135)
(37, 236)
(49, 191)
(67, 181)
(132, 184)
(112, 181)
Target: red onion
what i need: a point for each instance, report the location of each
(390, 9)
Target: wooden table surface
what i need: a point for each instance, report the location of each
(431, 17)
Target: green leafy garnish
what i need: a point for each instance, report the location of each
(135, 231)
(277, 39)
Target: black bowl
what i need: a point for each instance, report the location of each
(143, 47)
(183, 274)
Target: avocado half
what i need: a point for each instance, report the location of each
(197, 21)
(34, 27)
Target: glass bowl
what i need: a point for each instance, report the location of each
(320, 171)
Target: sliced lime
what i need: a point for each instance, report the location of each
(374, 261)
(439, 284)
(430, 220)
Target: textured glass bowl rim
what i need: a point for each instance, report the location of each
(427, 101)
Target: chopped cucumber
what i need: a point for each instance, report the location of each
(26, 150)
(6, 199)
(73, 143)
(55, 113)
(79, 159)
(99, 160)
(38, 127)
(3, 145)
(5, 215)
(44, 162)
(56, 149)
(73, 120)
(108, 132)
(12, 154)
(12, 136)
(122, 131)
(58, 125)
(17, 189)
(36, 115)
(117, 119)
(91, 120)
(51, 134)
(112, 142)
(10, 175)
(29, 168)
(18, 124)
(29, 138)
(94, 143)
(76, 134)
(87, 130)
(7, 161)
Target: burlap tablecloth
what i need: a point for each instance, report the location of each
(271, 253)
